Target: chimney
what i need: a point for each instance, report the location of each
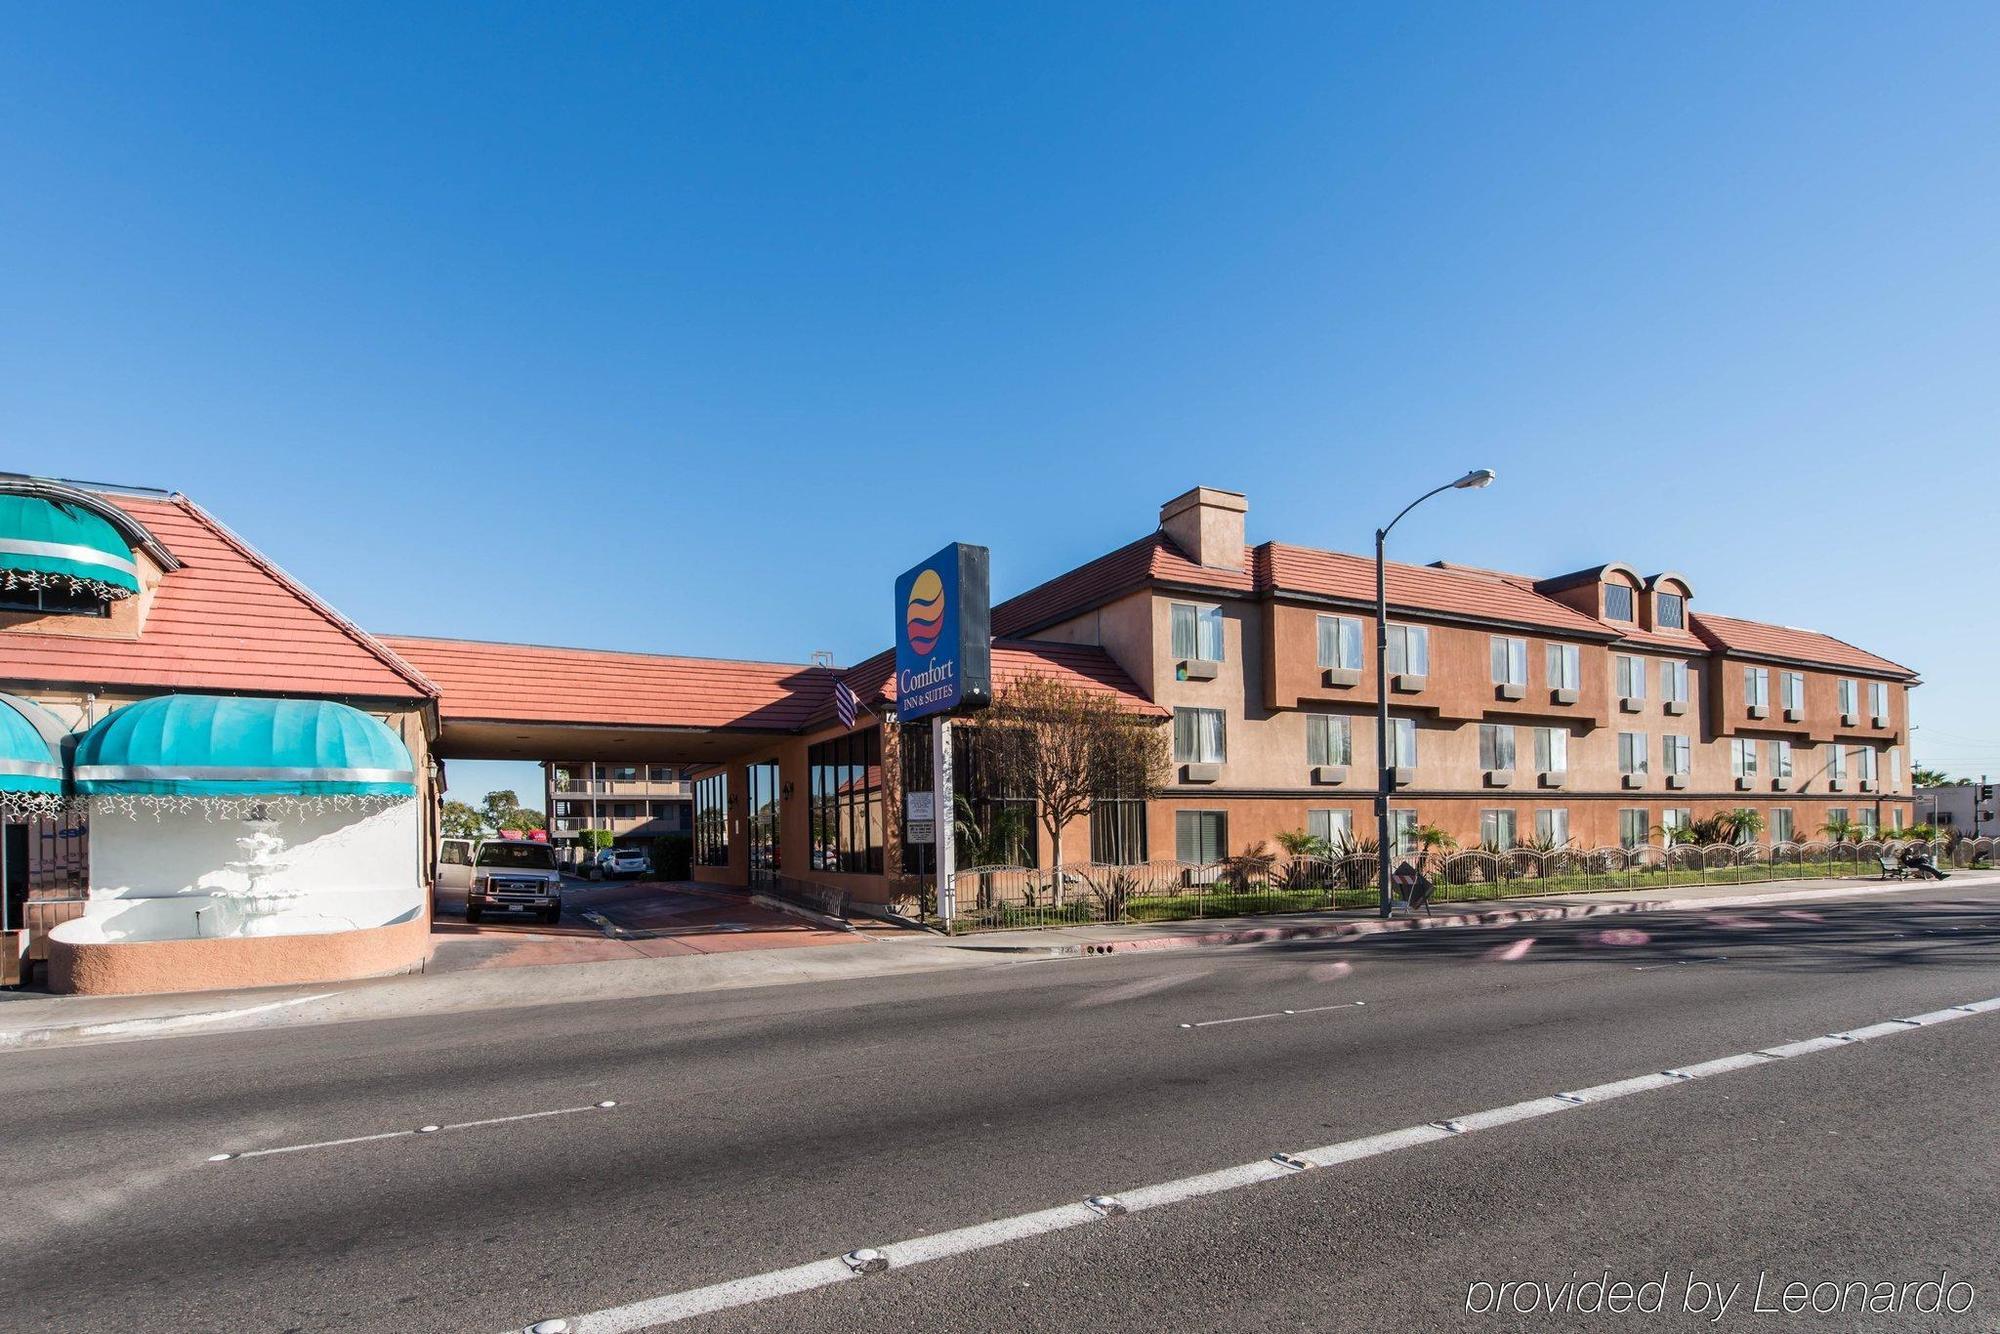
(1207, 525)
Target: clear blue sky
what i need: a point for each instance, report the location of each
(687, 327)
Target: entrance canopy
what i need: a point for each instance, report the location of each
(227, 746)
(30, 748)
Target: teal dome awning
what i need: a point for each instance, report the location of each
(225, 746)
(47, 543)
(30, 748)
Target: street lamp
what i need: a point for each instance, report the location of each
(1472, 481)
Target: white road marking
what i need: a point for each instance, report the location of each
(1276, 1014)
(679, 1306)
(401, 1134)
(1706, 958)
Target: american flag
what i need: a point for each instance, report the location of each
(845, 704)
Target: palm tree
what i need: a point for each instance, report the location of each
(1841, 829)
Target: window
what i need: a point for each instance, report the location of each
(1329, 739)
(1781, 825)
(661, 773)
(1896, 817)
(1757, 687)
(1496, 746)
(1836, 816)
(1675, 817)
(1510, 661)
(845, 776)
(1403, 832)
(1674, 681)
(1792, 691)
(1402, 743)
(1878, 700)
(1870, 759)
(1410, 650)
(1551, 750)
(1335, 828)
(1552, 826)
(1866, 819)
(1340, 643)
(455, 852)
(1118, 831)
(1633, 828)
(52, 602)
(1631, 752)
(1618, 602)
(1836, 761)
(1675, 752)
(1198, 736)
(711, 820)
(1201, 836)
(1565, 666)
(1496, 830)
(1781, 759)
(1743, 757)
(1672, 610)
(624, 773)
(1847, 691)
(1197, 632)
(1896, 771)
(1631, 677)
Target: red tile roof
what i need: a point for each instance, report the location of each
(1760, 640)
(1083, 665)
(1150, 560)
(1457, 591)
(537, 683)
(227, 620)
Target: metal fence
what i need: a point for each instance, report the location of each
(1011, 897)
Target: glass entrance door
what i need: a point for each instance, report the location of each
(763, 822)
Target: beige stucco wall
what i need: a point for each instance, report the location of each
(134, 967)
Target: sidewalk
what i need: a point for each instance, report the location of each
(30, 1020)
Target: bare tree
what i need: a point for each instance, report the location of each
(1065, 746)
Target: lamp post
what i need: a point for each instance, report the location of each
(1472, 481)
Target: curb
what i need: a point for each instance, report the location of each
(147, 1027)
(818, 918)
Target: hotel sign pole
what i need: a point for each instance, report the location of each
(944, 814)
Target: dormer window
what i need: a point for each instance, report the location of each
(1618, 602)
(1672, 611)
(59, 557)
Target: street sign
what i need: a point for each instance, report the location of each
(1404, 878)
(944, 634)
(921, 831)
(920, 806)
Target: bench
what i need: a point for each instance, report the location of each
(1893, 869)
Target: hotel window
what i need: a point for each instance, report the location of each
(1781, 759)
(1743, 757)
(1197, 632)
(1869, 764)
(1673, 611)
(1402, 743)
(1878, 700)
(1565, 664)
(1496, 746)
(1618, 602)
(1847, 691)
(1329, 739)
(1510, 661)
(1496, 830)
(1866, 819)
(1675, 752)
(1410, 650)
(1634, 828)
(1896, 770)
(1674, 681)
(1335, 828)
(1837, 816)
(1836, 762)
(845, 775)
(1631, 752)
(711, 820)
(1631, 677)
(1551, 750)
(661, 773)
(1402, 832)
(1757, 687)
(1552, 826)
(1198, 736)
(624, 773)
(1674, 817)
(1781, 825)
(1340, 643)
(1118, 831)
(1201, 837)
(1896, 818)
(1792, 691)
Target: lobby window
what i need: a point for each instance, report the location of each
(1675, 754)
(1672, 611)
(1496, 746)
(1199, 736)
(1618, 602)
(1340, 643)
(1848, 690)
(845, 777)
(1552, 826)
(1118, 831)
(1510, 661)
(1402, 832)
(1496, 830)
(1565, 666)
(1631, 752)
(1329, 739)
(1781, 759)
(1201, 837)
(1743, 757)
(1551, 750)
(1674, 682)
(1010, 821)
(711, 820)
(1197, 632)
(1781, 824)
(1836, 762)
(1410, 650)
(1334, 828)
(1757, 687)
(1878, 701)
(1631, 673)
(1792, 692)
(1402, 743)
(1634, 828)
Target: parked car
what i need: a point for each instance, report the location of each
(629, 861)
(515, 875)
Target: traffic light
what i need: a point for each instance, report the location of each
(1986, 791)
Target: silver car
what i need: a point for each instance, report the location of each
(515, 875)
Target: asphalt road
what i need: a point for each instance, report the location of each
(756, 1130)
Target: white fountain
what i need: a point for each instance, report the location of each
(259, 902)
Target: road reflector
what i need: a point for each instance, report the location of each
(867, 1260)
(1107, 1206)
(1293, 1161)
(220, 1157)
